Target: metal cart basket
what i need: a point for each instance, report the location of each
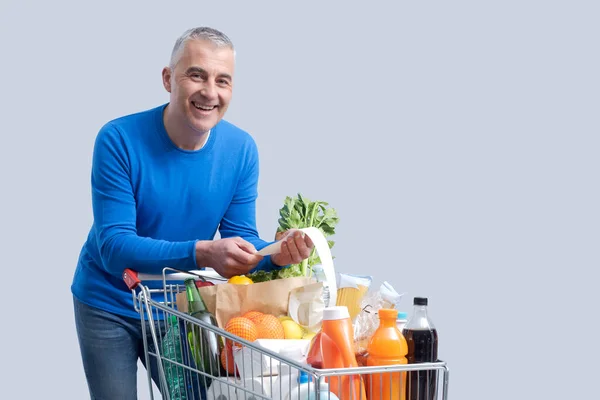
(257, 372)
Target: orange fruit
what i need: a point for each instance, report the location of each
(254, 316)
(269, 327)
(242, 327)
(227, 360)
(240, 280)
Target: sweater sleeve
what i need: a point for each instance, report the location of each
(240, 217)
(114, 210)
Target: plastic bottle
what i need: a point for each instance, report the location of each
(300, 391)
(314, 357)
(386, 346)
(205, 344)
(306, 389)
(401, 320)
(422, 339)
(337, 351)
(171, 350)
(324, 392)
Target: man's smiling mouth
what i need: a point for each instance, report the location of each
(203, 107)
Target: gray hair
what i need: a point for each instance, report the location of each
(201, 33)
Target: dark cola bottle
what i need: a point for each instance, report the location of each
(422, 340)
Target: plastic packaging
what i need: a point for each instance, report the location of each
(300, 391)
(306, 306)
(314, 357)
(367, 321)
(422, 339)
(337, 350)
(319, 276)
(171, 350)
(387, 346)
(351, 290)
(306, 389)
(401, 320)
(295, 354)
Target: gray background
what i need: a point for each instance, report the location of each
(458, 141)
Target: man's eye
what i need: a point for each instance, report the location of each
(223, 82)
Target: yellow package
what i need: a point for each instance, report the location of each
(351, 290)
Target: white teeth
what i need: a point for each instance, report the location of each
(201, 107)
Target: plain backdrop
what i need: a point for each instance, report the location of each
(458, 141)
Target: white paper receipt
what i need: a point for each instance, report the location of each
(324, 253)
(273, 248)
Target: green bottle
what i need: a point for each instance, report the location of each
(205, 344)
(172, 352)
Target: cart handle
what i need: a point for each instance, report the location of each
(133, 278)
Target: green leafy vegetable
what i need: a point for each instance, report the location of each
(261, 276)
(298, 213)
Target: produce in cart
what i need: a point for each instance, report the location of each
(298, 213)
(204, 344)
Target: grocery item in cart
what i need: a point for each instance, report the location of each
(205, 345)
(228, 362)
(351, 290)
(387, 346)
(240, 280)
(306, 388)
(253, 362)
(306, 306)
(366, 321)
(314, 357)
(226, 301)
(422, 340)
(337, 351)
(171, 351)
(301, 213)
(401, 320)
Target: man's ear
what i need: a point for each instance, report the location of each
(166, 77)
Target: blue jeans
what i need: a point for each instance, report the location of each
(110, 348)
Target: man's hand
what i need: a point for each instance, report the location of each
(295, 247)
(228, 257)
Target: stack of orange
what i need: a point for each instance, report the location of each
(255, 325)
(243, 328)
(250, 326)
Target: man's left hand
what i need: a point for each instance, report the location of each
(295, 247)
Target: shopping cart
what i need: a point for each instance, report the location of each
(257, 372)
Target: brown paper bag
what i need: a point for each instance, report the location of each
(226, 300)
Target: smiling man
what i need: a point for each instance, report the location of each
(163, 182)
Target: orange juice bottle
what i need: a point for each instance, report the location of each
(337, 351)
(387, 346)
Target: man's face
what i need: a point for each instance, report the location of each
(201, 84)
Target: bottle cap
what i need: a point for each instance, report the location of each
(335, 312)
(173, 319)
(303, 377)
(387, 313)
(402, 315)
(420, 301)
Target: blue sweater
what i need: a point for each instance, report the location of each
(152, 201)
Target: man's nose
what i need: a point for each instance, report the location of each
(209, 90)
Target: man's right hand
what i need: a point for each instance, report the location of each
(228, 257)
